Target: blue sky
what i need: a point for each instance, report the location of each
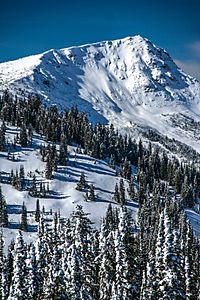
(30, 27)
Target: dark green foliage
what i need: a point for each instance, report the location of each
(33, 189)
(24, 222)
(116, 196)
(82, 183)
(37, 211)
(49, 169)
(2, 138)
(23, 139)
(131, 189)
(3, 211)
(122, 199)
(63, 151)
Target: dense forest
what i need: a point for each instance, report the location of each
(156, 257)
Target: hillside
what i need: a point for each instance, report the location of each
(129, 82)
(66, 234)
(62, 194)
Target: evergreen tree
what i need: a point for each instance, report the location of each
(106, 261)
(116, 196)
(2, 139)
(122, 287)
(20, 179)
(3, 211)
(3, 281)
(131, 189)
(160, 258)
(37, 211)
(74, 274)
(54, 287)
(31, 274)
(192, 269)
(91, 195)
(9, 267)
(49, 168)
(18, 289)
(33, 189)
(112, 162)
(111, 219)
(23, 139)
(82, 183)
(171, 285)
(24, 222)
(121, 192)
(63, 151)
(81, 238)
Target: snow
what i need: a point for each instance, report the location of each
(128, 82)
(194, 218)
(125, 82)
(63, 195)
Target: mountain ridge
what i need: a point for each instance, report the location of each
(126, 82)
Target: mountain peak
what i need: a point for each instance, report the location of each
(116, 81)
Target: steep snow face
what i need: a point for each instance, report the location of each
(126, 82)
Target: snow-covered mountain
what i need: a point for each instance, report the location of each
(129, 82)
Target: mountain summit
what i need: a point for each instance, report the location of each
(129, 82)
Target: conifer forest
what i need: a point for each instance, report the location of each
(153, 255)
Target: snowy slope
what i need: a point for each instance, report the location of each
(63, 196)
(129, 82)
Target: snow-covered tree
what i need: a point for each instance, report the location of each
(18, 288)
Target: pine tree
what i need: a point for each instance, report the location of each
(49, 168)
(42, 258)
(2, 139)
(82, 240)
(23, 139)
(3, 281)
(149, 284)
(31, 274)
(9, 267)
(3, 211)
(112, 162)
(111, 219)
(171, 285)
(33, 189)
(131, 189)
(106, 261)
(192, 270)
(54, 287)
(122, 287)
(91, 194)
(37, 211)
(24, 222)
(74, 274)
(21, 177)
(160, 257)
(82, 183)
(116, 196)
(121, 192)
(63, 151)
(18, 289)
